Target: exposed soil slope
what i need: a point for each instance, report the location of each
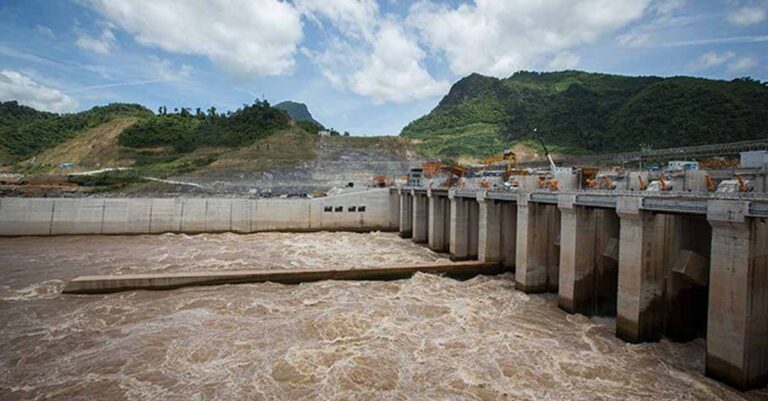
(95, 147)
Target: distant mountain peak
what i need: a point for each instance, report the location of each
(297, 111)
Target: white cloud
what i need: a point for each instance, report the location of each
(245, 37)
(102, 44)
(666, 7)
(717, 41)
(635, 39)
(742, 65)
(565, 61)
(165, 70)
(337, 58)
(393, 71)
(45, 31)
(369, 54)
(354, 18)
(747, 15)
(17, 86)
(498, 38)
(665, 21)
(710, 59)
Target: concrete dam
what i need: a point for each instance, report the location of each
(676, 266)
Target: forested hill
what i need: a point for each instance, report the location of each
(297, 111)
(586, 112)
(25, 131)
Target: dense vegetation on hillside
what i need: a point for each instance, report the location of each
(297, 111)
(185, 131)
(585, 112)
(25, 131)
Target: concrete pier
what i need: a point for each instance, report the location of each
(473, 226)
(394, 209)
(497, 230)
(439, 221)
(538, 243)
(508, 234)
(489, 229)
(663, 264)
(641, 272)
(406, 214)
(464, 227)
(420, 220)
(737, 323)
(589, 252)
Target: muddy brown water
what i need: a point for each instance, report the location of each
(427, 337)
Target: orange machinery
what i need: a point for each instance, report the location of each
(381, 181)
(431, 169)
(454, 173)
(508, 159)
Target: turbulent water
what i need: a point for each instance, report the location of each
(427, 337)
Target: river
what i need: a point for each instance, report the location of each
(427, 337)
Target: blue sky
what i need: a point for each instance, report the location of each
(360, 65)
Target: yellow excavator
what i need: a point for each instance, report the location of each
(508, 159)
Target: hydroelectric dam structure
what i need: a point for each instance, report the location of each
(674, 265)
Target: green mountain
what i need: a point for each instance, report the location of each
(25, 131)
(297, 111)
(208, 147)
(123, 135)
(581, 112)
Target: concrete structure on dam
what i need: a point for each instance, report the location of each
(674, 265)
(355, 211)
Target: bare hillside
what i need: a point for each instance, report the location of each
(94, 148)
(294, 161)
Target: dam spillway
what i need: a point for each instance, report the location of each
(676, 267)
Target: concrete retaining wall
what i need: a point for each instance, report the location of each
(363, 211)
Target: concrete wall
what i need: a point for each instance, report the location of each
(364, 210)
(588, 276)
(737, 324)
(537, 258)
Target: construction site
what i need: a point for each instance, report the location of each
(668, 247)
(738, 167)
(368, 200)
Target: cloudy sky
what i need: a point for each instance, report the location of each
(365, 66)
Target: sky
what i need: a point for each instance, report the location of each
(364, 66)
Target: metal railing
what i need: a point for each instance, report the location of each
(720, 149)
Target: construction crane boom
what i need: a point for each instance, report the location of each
(546, 151)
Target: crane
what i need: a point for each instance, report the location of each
(546, 151)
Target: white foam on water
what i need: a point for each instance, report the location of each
(43, 290)
(428, 337)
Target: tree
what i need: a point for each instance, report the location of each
(346, 133)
